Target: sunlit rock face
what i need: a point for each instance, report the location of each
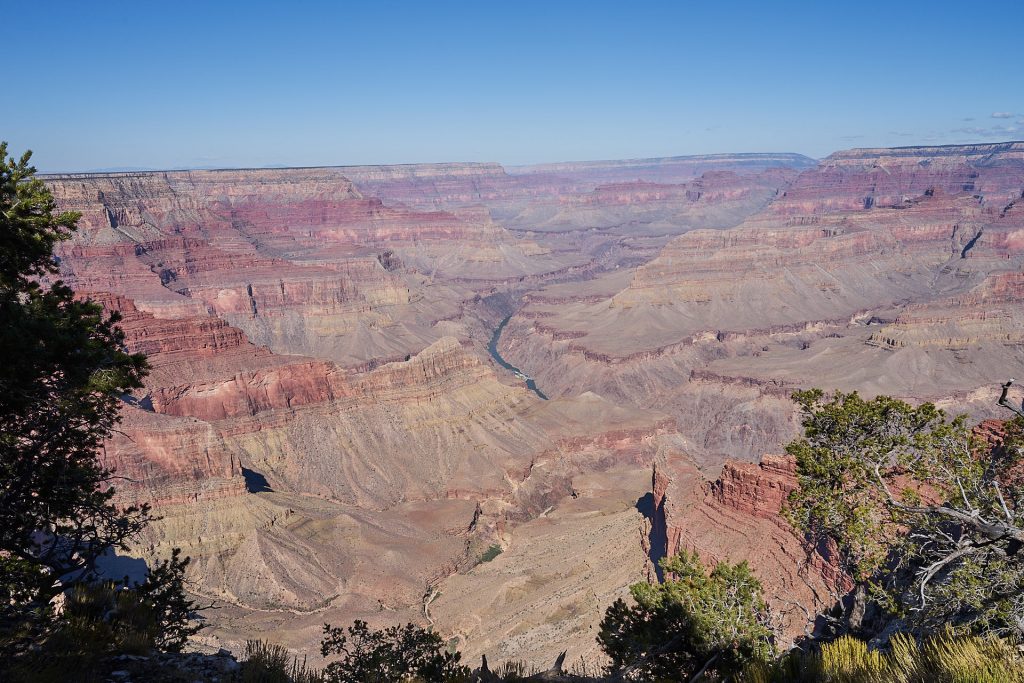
(739, 517)
(879, 270)
(324, 431)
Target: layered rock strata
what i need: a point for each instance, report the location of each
(323, 432)
(319, 430)
(879, 270)
(738, 517)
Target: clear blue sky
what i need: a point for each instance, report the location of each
(92, 85)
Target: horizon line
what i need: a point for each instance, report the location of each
(281, 167)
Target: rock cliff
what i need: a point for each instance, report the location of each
(739, 517)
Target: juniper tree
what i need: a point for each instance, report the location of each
(922, 512)
(63, 373)
(693, 623)
(397, 653)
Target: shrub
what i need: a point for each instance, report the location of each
(489, 554)
(921, 511)
(695, 622)
(99, 620)
(397, 653)
(272, 663)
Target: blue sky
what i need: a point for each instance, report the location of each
(216, 83)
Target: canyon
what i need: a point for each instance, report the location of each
(367, 381)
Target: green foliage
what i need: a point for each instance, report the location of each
(397, 653)
(272, 663)
(61, 386)
(98, 620)
(944, 658)
(29, 229)
(491, 553)
(164, 592)
(693, 620)
(917, 508)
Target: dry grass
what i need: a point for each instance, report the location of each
(944, 658)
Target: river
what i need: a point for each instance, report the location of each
(493, 348)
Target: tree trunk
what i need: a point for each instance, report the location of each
(858, 608)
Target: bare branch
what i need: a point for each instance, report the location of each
(934, 568)
(1005, 403)
(1002, 502)
(991, 530)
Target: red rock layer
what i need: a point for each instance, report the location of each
(165, 461)
(738, 517)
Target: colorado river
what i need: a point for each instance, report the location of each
(493, 348)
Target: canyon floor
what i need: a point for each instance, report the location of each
(337, 423)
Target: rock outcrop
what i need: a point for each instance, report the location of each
(738, 517)
(665, 169)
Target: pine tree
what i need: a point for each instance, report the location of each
(63, 376)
